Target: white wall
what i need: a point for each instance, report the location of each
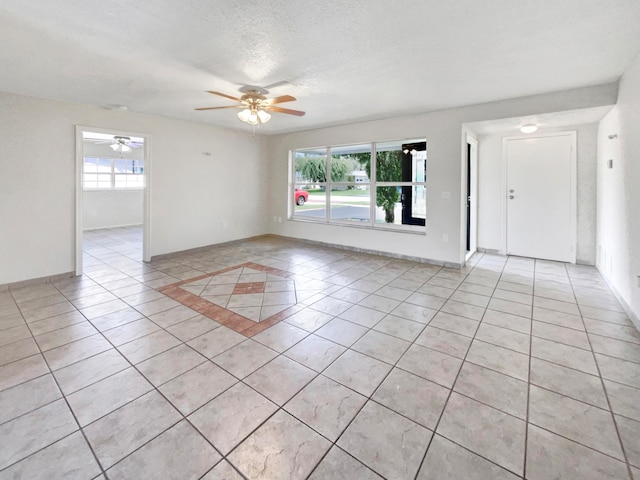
(491, 193)
(192, 194)
(199, 200)
(446, 151)
(619, 193)
(112, 208)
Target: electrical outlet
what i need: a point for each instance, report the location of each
(445, 237)
(446, 195)
(223, 224)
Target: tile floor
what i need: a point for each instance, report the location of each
(509, 368)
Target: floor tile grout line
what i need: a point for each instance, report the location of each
(527, 424)
(7, 467)
(154, 388)
(221, 393)
(159, 327)
(34, 409)
(370, 397)
(606, 394)
(281, 407)
(451, 391)
(114, 348)
(426, 325)
(69, 409)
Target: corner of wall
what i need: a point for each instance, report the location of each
(618, 175)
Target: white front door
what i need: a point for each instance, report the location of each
(540, 213)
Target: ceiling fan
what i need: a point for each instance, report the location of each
(120, 143)
(255, 105)
(123, 144)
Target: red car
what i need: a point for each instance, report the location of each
(300, 196)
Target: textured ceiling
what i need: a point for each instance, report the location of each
(344, 60)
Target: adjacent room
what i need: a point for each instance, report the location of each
(344, 240)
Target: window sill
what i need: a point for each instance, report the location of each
(410, 229)
(131, 189)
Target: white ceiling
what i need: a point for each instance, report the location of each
(545, 121)
(108, 138)
(345, 60)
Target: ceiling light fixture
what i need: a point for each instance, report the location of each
(254, 115)
(120, 147)
(529, 128)
(121, 144)
(263, 116)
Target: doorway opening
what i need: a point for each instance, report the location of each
(112, 196)
(471, 197)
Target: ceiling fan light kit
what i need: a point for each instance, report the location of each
(119, 147)
(121, 144)
(255, 106)
(253, 116)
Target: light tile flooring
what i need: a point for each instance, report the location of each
(508, 368)
(251, 293)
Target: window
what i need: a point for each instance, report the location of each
(310, 167)
(373, 185)
(112, 173)
(128, 173)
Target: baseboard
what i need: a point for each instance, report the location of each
(635, 319)
(381, 253)
(113, 226)
(36, 281)
(491, 251)
(430, 261)
(167, 256)
(588, 263)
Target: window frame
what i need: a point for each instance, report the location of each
(372, 185)
(112, 174)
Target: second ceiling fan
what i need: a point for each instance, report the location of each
(256, 106)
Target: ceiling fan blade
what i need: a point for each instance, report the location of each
(220, 94)
(219, 108)
(285, 110)
(282, 99)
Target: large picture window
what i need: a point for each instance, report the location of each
(112, 173)
(375, 184)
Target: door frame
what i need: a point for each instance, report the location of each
(407, 190)
(573, 187)
(146, 226)
(473, 221)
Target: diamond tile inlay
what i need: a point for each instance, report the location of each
(244, 298)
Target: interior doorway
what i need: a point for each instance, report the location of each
(112, 192)
(471, 197)
(540, 201)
